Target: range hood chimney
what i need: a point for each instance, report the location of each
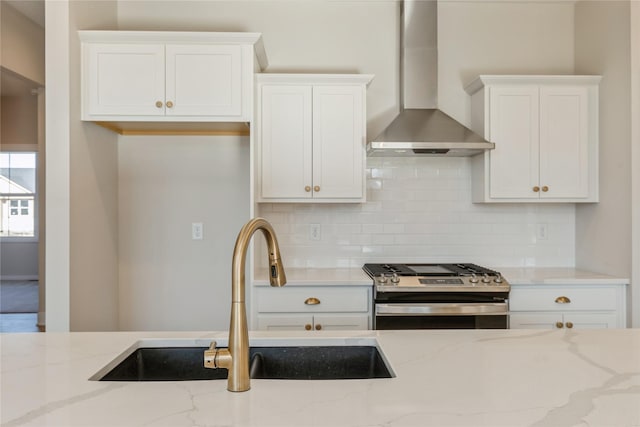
(421, 129)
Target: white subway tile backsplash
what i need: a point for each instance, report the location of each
(420, 210)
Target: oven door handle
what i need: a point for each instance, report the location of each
(441, 309)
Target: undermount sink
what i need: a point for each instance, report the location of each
(290, 362)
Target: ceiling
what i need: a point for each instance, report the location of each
(32, 9)
(12, 84)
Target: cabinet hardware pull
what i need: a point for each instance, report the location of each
(169, 104)
(159, 104)
(316, 188)
(318, 327)
(307, 188)
(545, 189)
(307, 327)
(563, 300)
(536, 189)
(312, 301)
(569, 325)
(559, 325)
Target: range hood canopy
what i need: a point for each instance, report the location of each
(421, 129)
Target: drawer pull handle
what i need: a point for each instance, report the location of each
(563, 300)
(307, 327)
(569, 325)
(318, 327)
(312, 301)
(559, 325)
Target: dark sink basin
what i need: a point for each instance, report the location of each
(290, 363)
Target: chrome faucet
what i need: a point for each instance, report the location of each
(235, 358)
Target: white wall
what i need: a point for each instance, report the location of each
(635, 162)
(167, 280)
(420, 210)
(499, 37)
(603, 230)
(81, 246)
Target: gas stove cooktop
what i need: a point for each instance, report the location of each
(435, 278)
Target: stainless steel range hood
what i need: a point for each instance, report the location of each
(421, 129)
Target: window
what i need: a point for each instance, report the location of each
(18, 195)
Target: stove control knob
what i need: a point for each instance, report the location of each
(473, 279)
(382, 279)
(395, 279)
(485, 278)
(498, 278)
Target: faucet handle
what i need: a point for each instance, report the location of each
(210, 356)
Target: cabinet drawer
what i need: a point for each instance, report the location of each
(530, 299)
(292, 299)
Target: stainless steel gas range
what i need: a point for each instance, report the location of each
(438, 296)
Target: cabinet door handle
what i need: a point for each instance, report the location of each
(563, 300)
(536, 189)
(545, 189)
(307, 189)
(169, 104)
(316, 188)
(159, 104)
(312, 301)
(569, 325)
(318, 327)
(307, 327)
(559, 325)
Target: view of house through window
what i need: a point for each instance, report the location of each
(17, 194)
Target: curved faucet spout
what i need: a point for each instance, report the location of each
(236, 357)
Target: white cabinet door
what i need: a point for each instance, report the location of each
(514, 129)
(338, 142)
(594, 320)
(125, 79)
(203, 80)
(285, 322)
(285, 142)
(345, 322)
(564, 157)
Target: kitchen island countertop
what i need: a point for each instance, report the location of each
(454, 377)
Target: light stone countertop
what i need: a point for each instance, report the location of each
(514, 275)
(443, 378)
(318, 277)
(558, 276)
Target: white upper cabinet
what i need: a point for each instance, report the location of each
(169, 76)
(546, 133)
(311, 137)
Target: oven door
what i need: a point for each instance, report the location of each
(442, 315)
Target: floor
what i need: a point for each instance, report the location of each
(18, 322)
(15, 299)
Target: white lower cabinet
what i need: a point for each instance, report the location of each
(313, 308)
(567, 306)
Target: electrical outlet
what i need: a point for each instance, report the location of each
(314, 231)
(197, 232)
(542, 233)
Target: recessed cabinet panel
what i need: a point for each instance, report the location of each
(204, 80)
(338, 140)
(514, 161)
(563, 129)
(286, 142)
(126, 79)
